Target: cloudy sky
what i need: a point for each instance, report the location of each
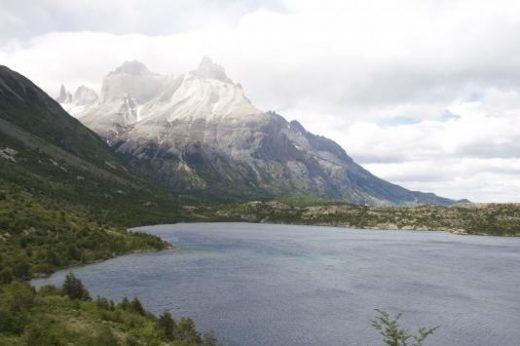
(425, 94)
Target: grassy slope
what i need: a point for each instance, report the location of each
(127, 202)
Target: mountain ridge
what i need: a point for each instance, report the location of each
(199, 134)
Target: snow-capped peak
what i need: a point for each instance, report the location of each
(133, 67)
(208, 69)
(132, 96)
(84, 96)
(205, 93)
(131, 80)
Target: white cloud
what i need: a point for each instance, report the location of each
(480, 180)
(379, 77)
(475, 155)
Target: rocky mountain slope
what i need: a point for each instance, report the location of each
(201, 135)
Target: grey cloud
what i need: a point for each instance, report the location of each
(477, 150)
(483, 149)
(345, 85)
(367, 158)
(23, 19)
(406, 178)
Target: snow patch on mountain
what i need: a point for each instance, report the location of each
(132, 94)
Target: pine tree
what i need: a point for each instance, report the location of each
(136, 306)
(167, 324)
(74, 289)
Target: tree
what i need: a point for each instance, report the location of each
(394, 335)
(167, 324)
(74, 289)
(137, 307)
(187, 332)
(21, 270)
(125, 304)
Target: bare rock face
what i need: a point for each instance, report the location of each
(78, 103)
(131, 80)
(209, 70)
(64, 96)
(201, 135)
(124, 91)
(84, 96)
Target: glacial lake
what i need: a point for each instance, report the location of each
(260, 284)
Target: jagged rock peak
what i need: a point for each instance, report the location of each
(132, 79)
(84, 96)
(133, 67)
(65, 96)
(208, 69)
(297, 127)
(63, 93)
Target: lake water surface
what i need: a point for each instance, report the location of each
(259, 284)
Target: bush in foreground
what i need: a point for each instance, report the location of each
(394, 335)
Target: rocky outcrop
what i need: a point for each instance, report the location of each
(78, 103)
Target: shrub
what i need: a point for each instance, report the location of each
(394, 335)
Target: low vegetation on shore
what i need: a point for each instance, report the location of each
(465, 218)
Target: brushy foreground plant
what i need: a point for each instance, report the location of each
(394, 335)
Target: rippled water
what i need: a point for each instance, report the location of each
(258, 284)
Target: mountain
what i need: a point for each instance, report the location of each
(46, 152)
(201, 135)
(123, 91)
(79, 101)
